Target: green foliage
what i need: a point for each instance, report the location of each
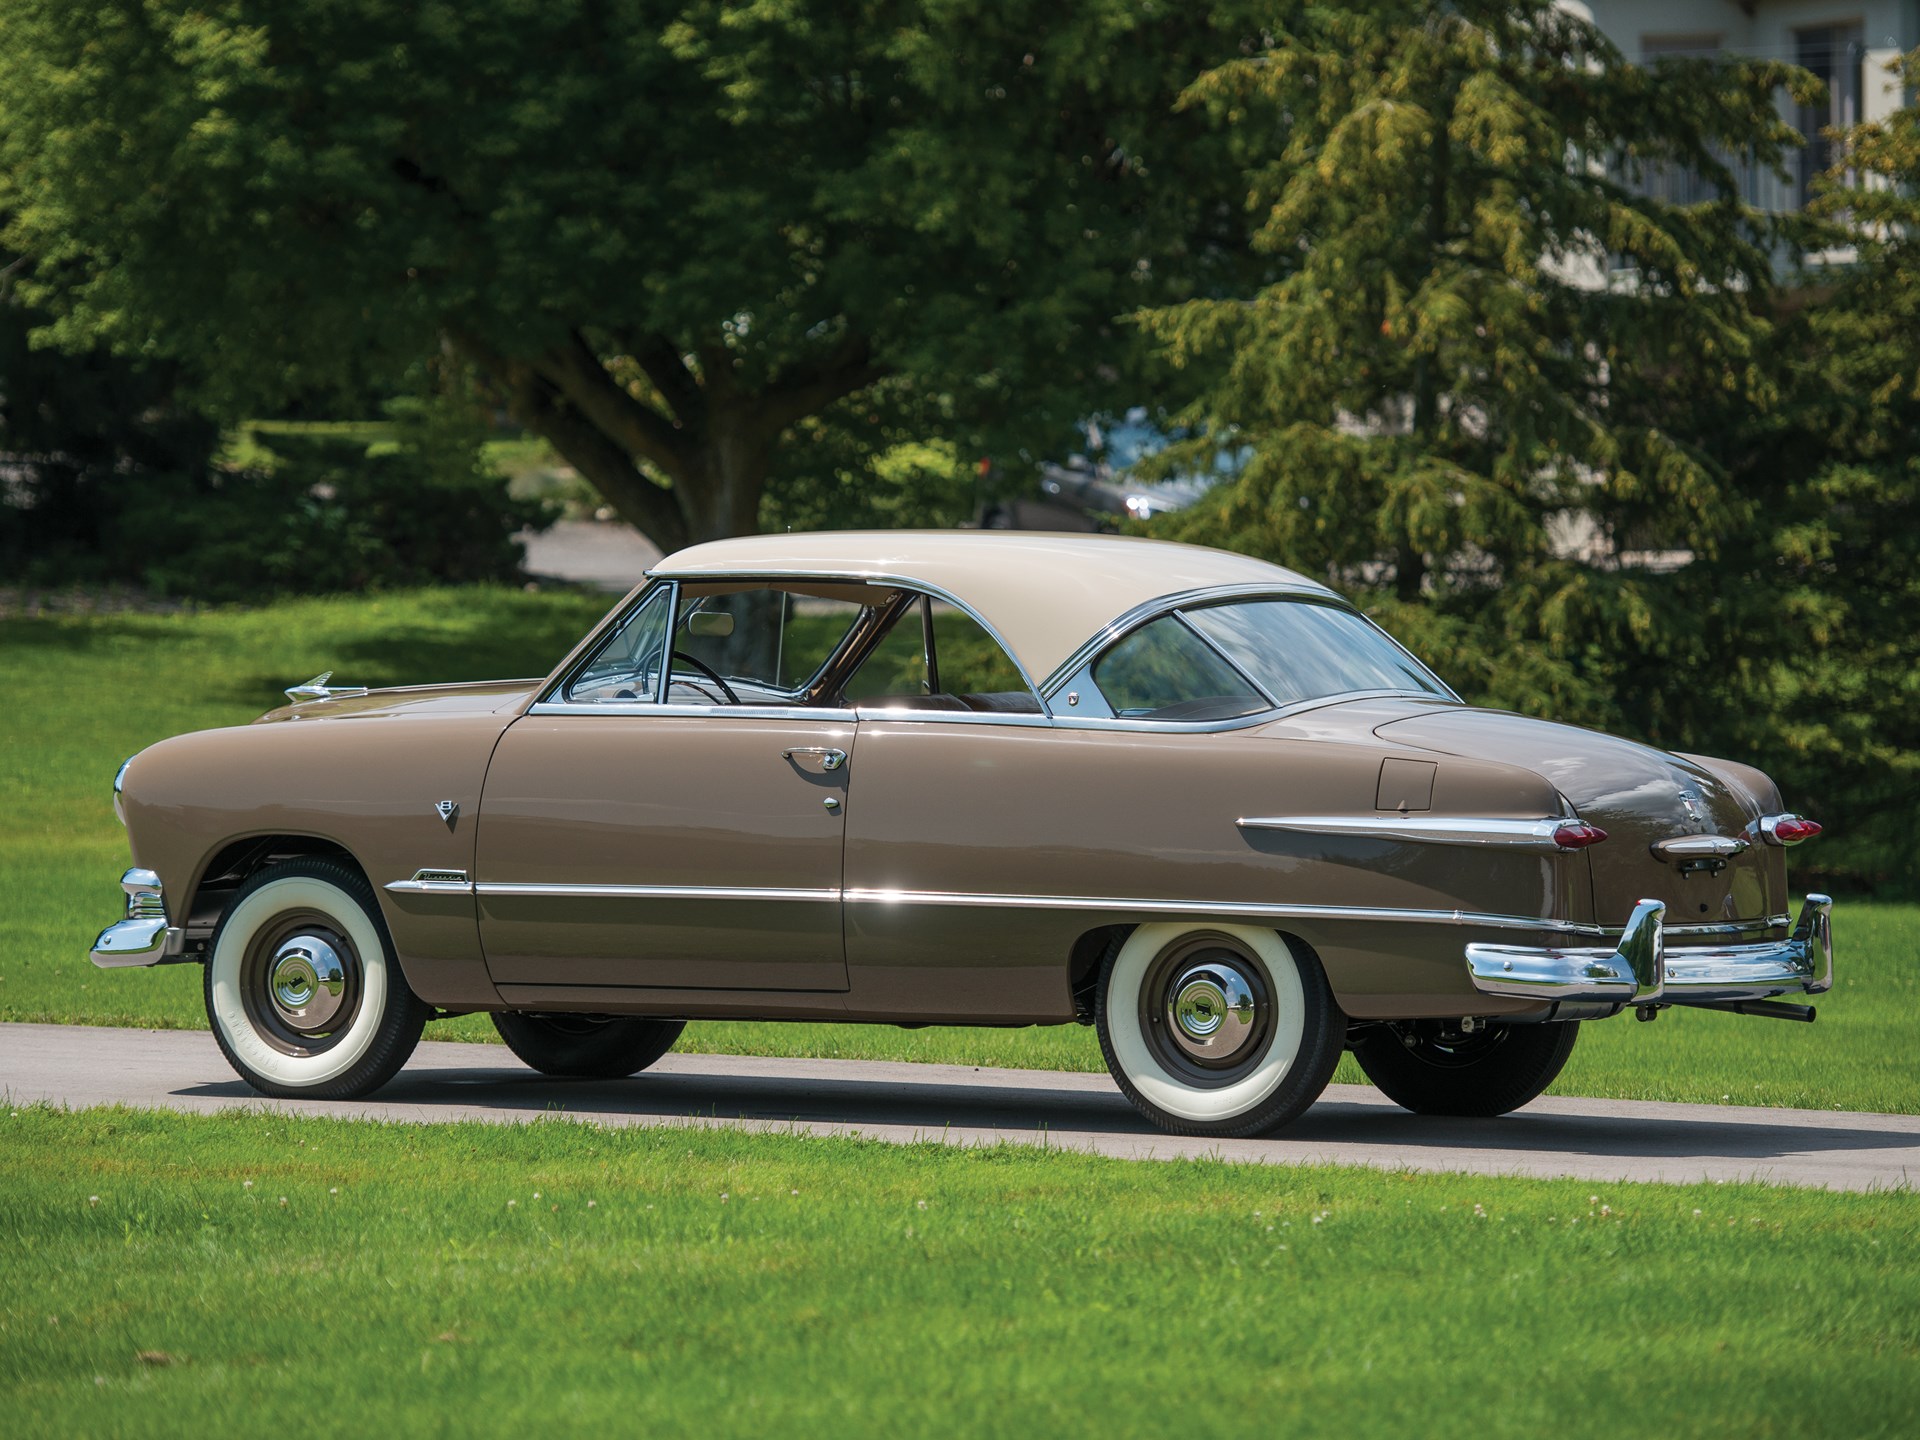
(1567, 439)
(76, 433)
(1842, 543)
(329, 510)
(668, 232)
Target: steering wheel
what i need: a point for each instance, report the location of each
(708, 671)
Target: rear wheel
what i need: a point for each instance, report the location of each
(1432, 1068)
(1216, 1029)
(587, 1047)
(302, 988)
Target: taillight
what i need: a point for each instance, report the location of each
(1789, 829)
(1577, 835)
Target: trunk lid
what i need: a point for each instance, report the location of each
(1639, 796)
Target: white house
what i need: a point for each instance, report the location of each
(1847, 43)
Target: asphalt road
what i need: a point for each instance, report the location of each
(1353, 1124)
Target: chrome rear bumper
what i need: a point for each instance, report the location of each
(1642, 971)
(144, 937)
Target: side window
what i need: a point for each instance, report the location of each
(896, 669)
(758, 644)
(973, 666)
(938, 657)
(627, 667)
(1163, 671)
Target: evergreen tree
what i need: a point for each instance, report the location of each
(1841, 480)
(1467, 400)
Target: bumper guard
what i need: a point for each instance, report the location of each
(1640, 970)
(144, 937)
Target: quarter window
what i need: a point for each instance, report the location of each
(938, 657)
(1163, 671)
(627, 667)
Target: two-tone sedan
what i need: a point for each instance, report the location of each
(1194, 800)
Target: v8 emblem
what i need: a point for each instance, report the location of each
(447, 810)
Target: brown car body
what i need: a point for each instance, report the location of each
(682, 861)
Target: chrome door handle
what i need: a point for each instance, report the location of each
(830, 759)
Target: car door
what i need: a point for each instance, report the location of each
(663, 820)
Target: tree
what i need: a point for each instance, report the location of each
(76, 432)
(1839, 486)
(1468, 399)
(666, 232)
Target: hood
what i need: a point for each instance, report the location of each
(474, 698)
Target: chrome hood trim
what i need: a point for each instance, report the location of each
(474, 698)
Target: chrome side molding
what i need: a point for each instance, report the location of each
(1421, 829)
(433, 882)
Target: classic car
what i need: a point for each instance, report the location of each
(1192, 799)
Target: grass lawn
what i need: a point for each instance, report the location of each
(171, 1274)
(81, 694)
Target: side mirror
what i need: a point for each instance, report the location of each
(714, 624)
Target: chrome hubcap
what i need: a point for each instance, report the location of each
(306, 982)
(1211, 1012)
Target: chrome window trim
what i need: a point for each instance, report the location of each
(1070, 721)
(648, 707)
(1078, 666)
(1534, 834)
(545, 704)
(1339, 603)
(864, 577)
(870, 715)
(654, 892)
(1152, 609)
(607, 627)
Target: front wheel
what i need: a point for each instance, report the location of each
(1432, 1068)
(1217, 1029)
(302, 988)
(587, 1047)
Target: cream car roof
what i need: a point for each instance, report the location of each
(1045, 594)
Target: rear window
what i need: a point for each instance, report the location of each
(1296, 650)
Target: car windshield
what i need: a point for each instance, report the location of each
(1297, 650)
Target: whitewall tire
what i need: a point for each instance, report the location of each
(1217, 1029)
(302, 988)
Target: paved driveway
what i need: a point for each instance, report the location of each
(1353, 1124)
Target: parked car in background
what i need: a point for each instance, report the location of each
(1098, 488)
(1191, 799)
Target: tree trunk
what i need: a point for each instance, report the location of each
(687, 464)
(720, 492)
